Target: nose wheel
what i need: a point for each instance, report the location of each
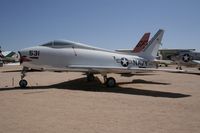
(23, 83)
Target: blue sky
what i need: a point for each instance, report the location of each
(111, 24)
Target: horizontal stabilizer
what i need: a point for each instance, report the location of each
(196, 61)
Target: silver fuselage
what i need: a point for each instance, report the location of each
(60, 59)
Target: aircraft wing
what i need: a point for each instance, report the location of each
(164, 61)
(111, 69)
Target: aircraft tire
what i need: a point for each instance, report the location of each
(110, 82)
(23, 83)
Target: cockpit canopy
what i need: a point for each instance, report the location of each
(68, 44)
(59, 44)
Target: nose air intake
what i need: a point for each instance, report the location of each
(23, 58)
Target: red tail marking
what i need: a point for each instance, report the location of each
(142, 43)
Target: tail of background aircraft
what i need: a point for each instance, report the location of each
(1, 55)
(139, 47)
(151, 49)
(142, 43)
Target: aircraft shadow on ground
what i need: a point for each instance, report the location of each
(96, 86)
(193, 73)
(188, 72)
(141, 81)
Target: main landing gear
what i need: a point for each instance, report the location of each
(90, 77)
(179, 67)
(109, 82)
(23, 83)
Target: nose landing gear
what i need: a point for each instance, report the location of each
(23, 83)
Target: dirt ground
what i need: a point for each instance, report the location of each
(157, 102)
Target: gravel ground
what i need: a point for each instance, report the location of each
(64, 102)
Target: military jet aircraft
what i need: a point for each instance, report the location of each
(72, 56)
(8, 56)
(186, 58)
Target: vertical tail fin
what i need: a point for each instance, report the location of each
(1, 55)
(142, 43)
(151, 49)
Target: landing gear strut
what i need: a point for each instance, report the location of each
(179, 67)
(90, 77)
(23, 83)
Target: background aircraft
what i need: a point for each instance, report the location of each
(181, 57)
(72, 56)
(8, 56)
(186, 58)
(139, 47)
